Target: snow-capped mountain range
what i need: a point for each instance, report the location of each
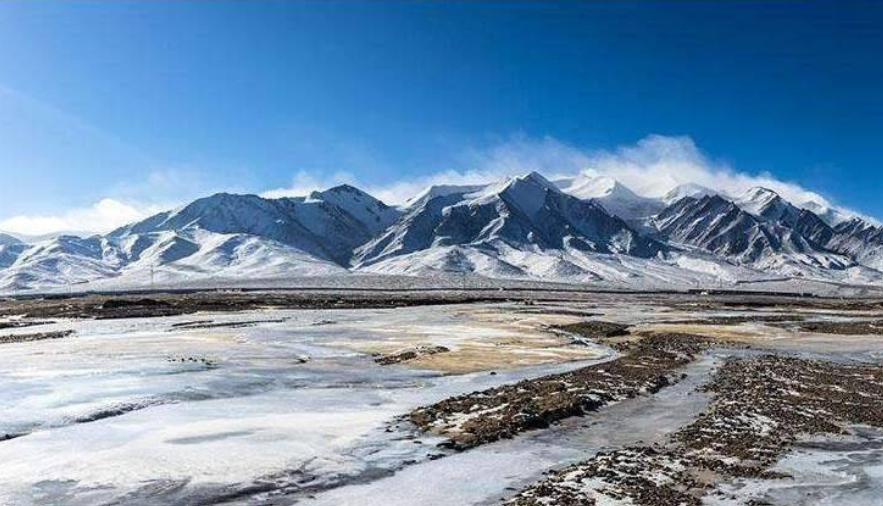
(577, 230)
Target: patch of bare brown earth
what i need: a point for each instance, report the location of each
(103, 307)
(736, 320)
(37, 336)
(597, 329)
(845, 328)
(208, 324)
(408, 355)
(761, 406)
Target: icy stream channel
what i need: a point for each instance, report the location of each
(487, 474)
(143, 412)
(825, 471)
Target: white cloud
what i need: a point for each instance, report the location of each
(131, 201)
(103, 216)
(305, 182)
(656, 164)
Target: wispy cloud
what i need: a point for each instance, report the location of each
(103, 216)
(653, 166)
(124, 203)
(657, 164)
(303, 183)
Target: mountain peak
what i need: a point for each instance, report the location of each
(343, 190)
(440, 190)
(596, 187)
(220, 199)
(759, 194)
(345, 193)
(347, 188)
(533, 177)
(527, 192)
(362, 206)
(613, 196)
(687, 190)
(768, 206)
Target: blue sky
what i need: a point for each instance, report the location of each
(138, 105)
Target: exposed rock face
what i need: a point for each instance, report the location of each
(719, 226)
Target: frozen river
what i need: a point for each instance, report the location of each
(149, 411)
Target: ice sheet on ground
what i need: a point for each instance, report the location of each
(143, 412)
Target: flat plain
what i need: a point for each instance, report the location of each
(441, 397)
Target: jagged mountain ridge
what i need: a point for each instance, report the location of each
(523, 227)
(477, 230)
(327, 225)
(859, 239)
(724, 228)
(769, 206)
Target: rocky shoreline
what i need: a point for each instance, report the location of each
(646, 366)
(850, 328)
(36, 336)
(761, 406)
(410, 354)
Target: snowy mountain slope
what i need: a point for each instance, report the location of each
(616, 198)
(10, 249)
(767, 205)
(832, 215)
(155, 248)
(9, 253)
(416, 229)
(60, 262)
(860, 240)
(225, 213)
(327, 225)
(367, 210)
(853, 238)
(814, 229)
(855, 235)
(7, 240)
(524, 228)
(723, 228)
(570, 266)
(232, 256)
(436, 191)
(224, 234)
(525, 212)
(531, 210)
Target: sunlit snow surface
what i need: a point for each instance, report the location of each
(140, 412)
